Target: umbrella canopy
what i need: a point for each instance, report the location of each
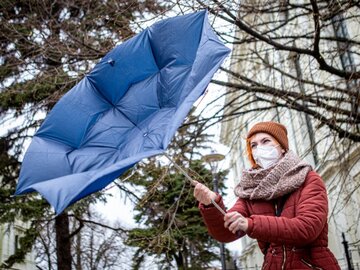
(126, 109)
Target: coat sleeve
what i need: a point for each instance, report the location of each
(214, 220)
(310, 218)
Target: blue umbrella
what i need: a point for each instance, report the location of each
(126, 109)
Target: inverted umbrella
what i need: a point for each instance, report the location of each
(126, 109)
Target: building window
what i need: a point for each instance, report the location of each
(16, 243)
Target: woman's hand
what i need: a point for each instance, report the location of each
(234, 221)
(203, 194)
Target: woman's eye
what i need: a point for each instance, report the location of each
(253, 146)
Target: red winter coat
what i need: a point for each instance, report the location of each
(298, 239)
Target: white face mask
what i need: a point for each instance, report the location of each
(266, 156)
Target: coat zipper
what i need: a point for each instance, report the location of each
(284, 249)
(284, 258)
(310, 265)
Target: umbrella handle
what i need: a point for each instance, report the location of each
(192, 181)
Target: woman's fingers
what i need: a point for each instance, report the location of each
(234, 221)
(199, 190)
(235, 226)
(230, 217)
(203, 194)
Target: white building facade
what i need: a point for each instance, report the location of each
(9, 241)
(336, 159)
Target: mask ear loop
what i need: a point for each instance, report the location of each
(282, 149)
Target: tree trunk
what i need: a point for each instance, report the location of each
(180, 261)
(63, 247)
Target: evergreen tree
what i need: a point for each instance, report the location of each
(173, 229)
(46, 48)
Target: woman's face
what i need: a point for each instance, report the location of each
(264, 139)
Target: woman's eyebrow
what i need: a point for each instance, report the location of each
(265, 138)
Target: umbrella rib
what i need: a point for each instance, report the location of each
(114, 106)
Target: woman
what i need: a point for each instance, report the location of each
(282, 203)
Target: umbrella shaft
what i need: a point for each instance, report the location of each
(192, 181)
(218, 207)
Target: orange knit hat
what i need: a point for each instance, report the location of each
(277, 130)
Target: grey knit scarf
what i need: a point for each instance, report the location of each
(284, 177)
